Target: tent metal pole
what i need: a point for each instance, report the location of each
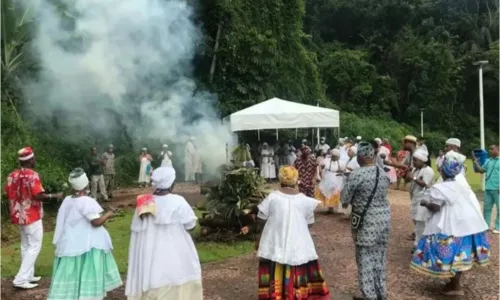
(258, 135)
(296, 133)
(277, 135)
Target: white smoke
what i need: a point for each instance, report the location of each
(127, 60)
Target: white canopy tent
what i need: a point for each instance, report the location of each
(276, 113)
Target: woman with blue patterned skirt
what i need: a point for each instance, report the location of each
(455, 236)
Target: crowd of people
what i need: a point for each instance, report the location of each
(450, 231)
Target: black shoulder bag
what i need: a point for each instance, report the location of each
(357, 219)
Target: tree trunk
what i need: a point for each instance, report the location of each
(216, 47)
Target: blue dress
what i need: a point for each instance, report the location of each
(442, 256)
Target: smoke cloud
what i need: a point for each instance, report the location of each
(123, 63)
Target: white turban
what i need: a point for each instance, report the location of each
(163, 177)
(358, 138)
(78, 179)
(144, 149)
(455, 156)
(336, 152)
(378, 140)
(422, 155)
(453, 142)
(354, 149)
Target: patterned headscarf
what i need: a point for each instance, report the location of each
(365, 150)
(288, 175)
(305, 150)
(451, 167)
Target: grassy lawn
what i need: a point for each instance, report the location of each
(473, 178)
(119, 229)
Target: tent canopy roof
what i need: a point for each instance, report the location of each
(276, 113)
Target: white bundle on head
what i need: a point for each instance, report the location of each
(163, 177)
(421, 155)
(78, 179)
(455, 156)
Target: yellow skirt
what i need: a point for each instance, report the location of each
(333, 201)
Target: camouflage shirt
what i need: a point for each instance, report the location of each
(109, 165)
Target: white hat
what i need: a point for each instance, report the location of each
(163, 177)
(456, 156)
(453, 142)
(422, 155)
(358, 138)
(165, 146)
(323, 138)
(378, 140)
(78, 179)
(144, 149)
(335, 152)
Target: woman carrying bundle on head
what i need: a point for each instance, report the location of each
(288, 263)
(163, 262)
(84, 267)
(454, 238)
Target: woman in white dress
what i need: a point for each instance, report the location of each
(288, 262)
(163, 262)
(352, 163)
(145, 170)
(166, 157)
(267, 168)
(328, 190)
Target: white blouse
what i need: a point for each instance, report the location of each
(286, 238)
(74, 234)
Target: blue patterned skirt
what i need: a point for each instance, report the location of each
(443, 256)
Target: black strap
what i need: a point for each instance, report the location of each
(365, 209)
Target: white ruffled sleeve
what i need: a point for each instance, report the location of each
(187, 216)
(264, 208)
(435, 196)
(310, 205)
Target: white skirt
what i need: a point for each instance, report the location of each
(191, 290)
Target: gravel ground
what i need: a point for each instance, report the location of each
(235, 278)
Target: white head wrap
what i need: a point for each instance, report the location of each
(335, 152)
(354, 149)
(453, 142)
(110, 146)
(163, 177)
(421, 155)
(358, 138)
(322, 138)
(455, 156)
(192, 138)
(165, 146)
(144, 149)
(378, 140)
(78, 179)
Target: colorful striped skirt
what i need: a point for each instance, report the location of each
(442, 256)
(88, 276)
(285, 282)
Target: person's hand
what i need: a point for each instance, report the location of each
(112, 209)
(109, 214)
(59, 195)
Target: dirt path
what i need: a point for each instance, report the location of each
(234, 279)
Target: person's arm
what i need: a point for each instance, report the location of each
(97, 222)
(38, 192)
(481, 169)
(347, 192)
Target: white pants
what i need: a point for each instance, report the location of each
(31, 244)
(419, 230)
(98, 179)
